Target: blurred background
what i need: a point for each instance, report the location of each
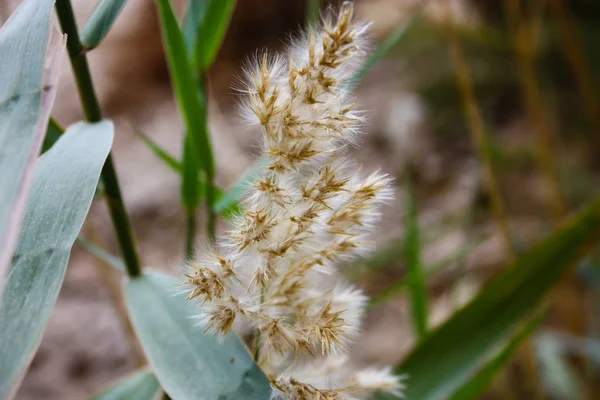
(487, 110)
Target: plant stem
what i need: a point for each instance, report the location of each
(209, 175)
(92, 112)
(478, 135)
(190, 234)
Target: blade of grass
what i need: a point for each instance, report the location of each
(313, 10)
(412, 253)
(211, 32)
(473, 388)
(185, 85)
(443, 361)
(190, 193)
(169, 160)
(229, 199)
(100, 21)
(478, 133)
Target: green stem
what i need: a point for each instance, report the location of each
(190, 235)
(92, 112)
(209, 190)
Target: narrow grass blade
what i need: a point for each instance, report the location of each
(61, 193)
(101, 253)
(484, 377)
(191, 185)
(30, 57)
(140, 385)
(211, 31)
(159, 152)
(385, 47)
(54, 131)
(188, 363)
(99, 23)
(416, 282)
(448, 356)
(185, 86)
(194, 16)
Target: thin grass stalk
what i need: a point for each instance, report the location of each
(92, 112)
(190, 235)
(477, 132)
(209, 190)
(577, 60)
(523, 43)
(313, 9)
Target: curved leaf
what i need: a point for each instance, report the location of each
(98, 24)
(211, 31)
(188, 363)
(448, 356)
(140, 385)
(27, 91)
(61, 193)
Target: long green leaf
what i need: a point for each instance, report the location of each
(191, 186)
(27, 92)
(140, 385)
(476, 385)
(98, 24)
(185, 86)
(445, 359)
(412, 250)
(159, 152)
(188, 363)
(61, 193)
(211, 31)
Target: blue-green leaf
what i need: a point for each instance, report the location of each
(188, 363)
(61, 193)
(448, 356)
(27, 91)
(98, 24)
(140, 385)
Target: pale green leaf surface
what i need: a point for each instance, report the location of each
(98, 24)
(27, 91)
(140, 385)
(448, 356)
(188, 363)
(61, 193)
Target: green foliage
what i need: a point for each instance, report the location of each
(484, 377)
(159, 152)
(416, 281)
(51, 222)
(99, 23)
(102, 254)
(189, 364)
(54, 131)
(442, 362)
(24, 109)
(186, 86)
(140, 385)
(211, 31)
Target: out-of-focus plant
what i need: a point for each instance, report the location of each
(307, 211)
